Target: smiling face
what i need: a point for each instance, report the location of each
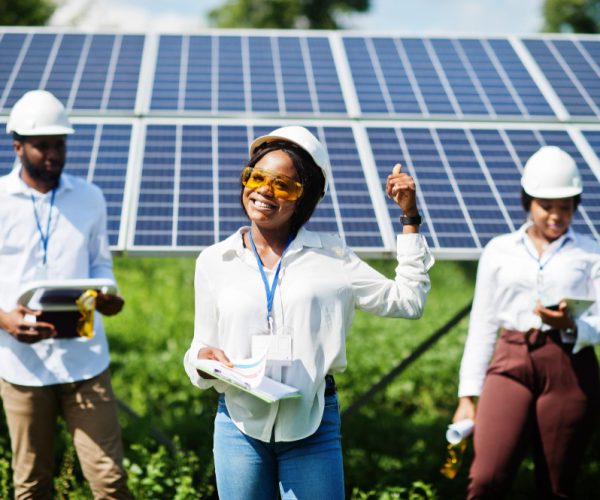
(261, 205)
(551, 217)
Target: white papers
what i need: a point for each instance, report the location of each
(459, 430)
(249, 375)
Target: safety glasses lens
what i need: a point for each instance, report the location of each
(283, 187)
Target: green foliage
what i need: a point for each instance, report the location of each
(157, 474)
(393, 446)
(416, 491)
(314, 14)
(578, 16)
(25, 12)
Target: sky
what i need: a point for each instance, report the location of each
(480, 17)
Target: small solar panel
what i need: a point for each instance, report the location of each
(87, 72)
(442, 77)
(224, 74)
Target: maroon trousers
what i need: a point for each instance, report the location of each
(537, 394)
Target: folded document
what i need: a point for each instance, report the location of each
(248, 378)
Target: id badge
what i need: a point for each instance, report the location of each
(278, 347)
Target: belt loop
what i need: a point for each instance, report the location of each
(330, 387)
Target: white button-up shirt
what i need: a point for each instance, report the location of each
(77, 248)
(321, 282)
(511, 276)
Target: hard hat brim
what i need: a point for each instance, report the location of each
(55, 130)
(554, 193)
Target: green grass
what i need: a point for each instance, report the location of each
(393, 445)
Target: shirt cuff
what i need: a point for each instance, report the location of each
(414, 244)
(586, 336)
(469, 388)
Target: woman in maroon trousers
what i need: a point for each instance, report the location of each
(542, 386)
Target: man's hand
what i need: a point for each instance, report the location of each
(109, 305)
(25, 331)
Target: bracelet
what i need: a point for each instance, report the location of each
(411, 220)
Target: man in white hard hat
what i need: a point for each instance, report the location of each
(53, 227)
(542, 386)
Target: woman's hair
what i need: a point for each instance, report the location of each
(310, 175)
(527, 199)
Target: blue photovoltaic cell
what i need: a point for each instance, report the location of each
(442, 77)
(196, 217)
(518, 78)
(7, 155)
(231, 74)
(62, 74)
(326, 81)
(389, 150)
(474, 187)
(358, 220)
(246, 74)
(31, 68)
(583, 68)
(265, 98)
(98, 153)
(86, 72)
(155, 209)
(496, 150)
(562, 77)
(10, 47)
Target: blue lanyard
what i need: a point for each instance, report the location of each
(44, 237)
(269, 290)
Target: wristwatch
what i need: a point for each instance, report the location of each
(411, 220)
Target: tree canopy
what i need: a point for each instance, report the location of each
(312, 14)
(25, 12)
(577, 16)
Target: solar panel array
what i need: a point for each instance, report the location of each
(163, 123)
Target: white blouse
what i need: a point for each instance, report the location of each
(321, 282)
(511, 277)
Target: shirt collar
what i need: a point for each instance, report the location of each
(16, 185)
(305, 238)
(569, 235)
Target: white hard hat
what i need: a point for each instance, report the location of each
(551, 173)
(302, 138)
(38, 112)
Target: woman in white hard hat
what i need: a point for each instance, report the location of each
(542, 386)
(275, 281)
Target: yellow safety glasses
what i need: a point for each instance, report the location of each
(282, 186)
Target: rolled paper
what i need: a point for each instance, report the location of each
(459, 430)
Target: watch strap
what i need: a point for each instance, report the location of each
(411, 220)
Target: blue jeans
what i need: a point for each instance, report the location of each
(250, 469)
